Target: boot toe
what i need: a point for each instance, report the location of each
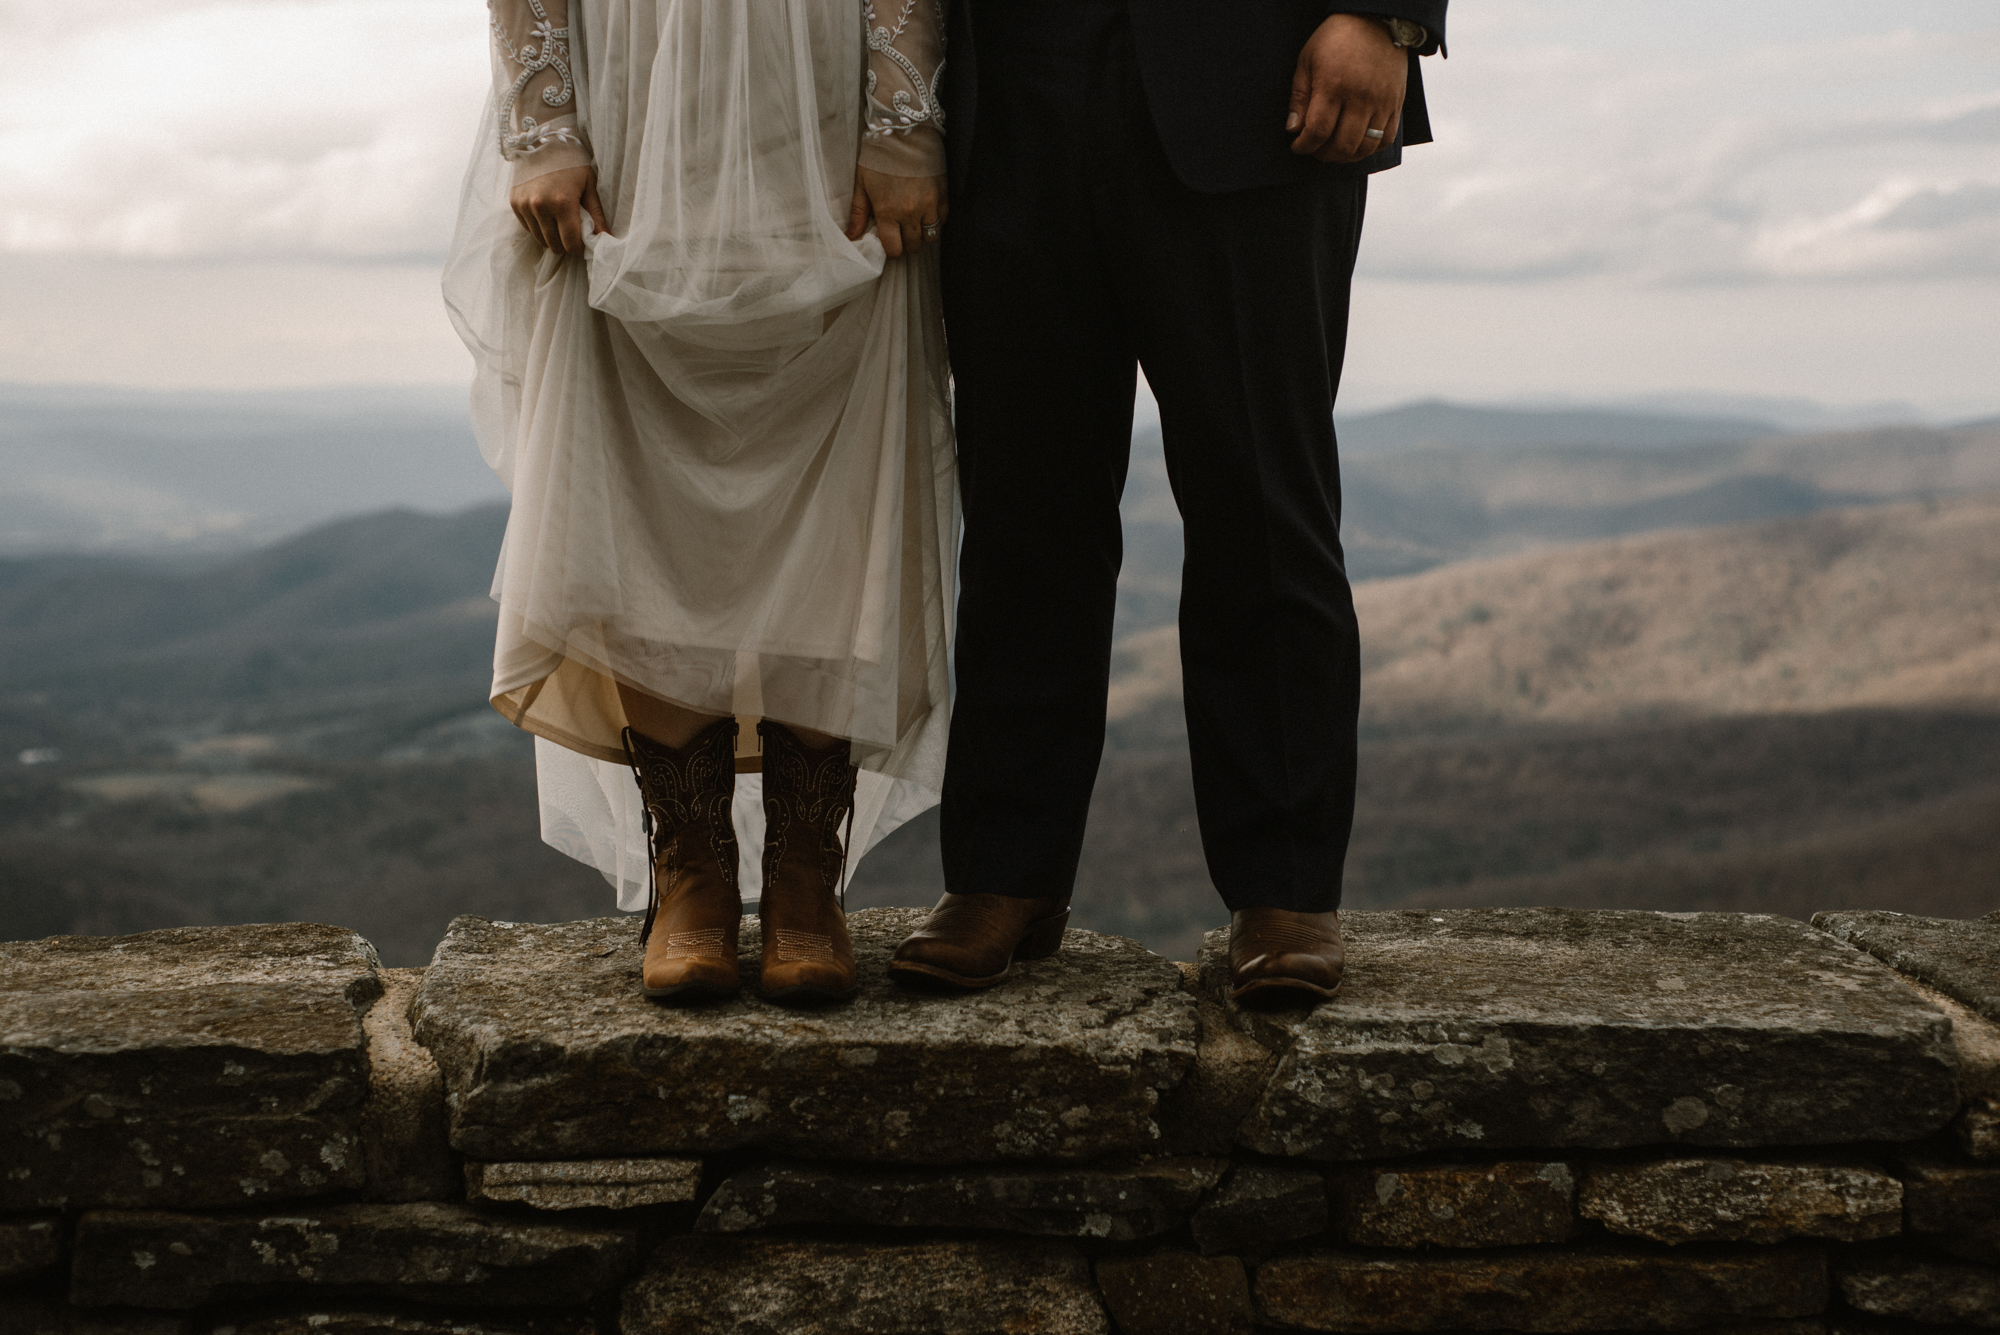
(808, 983)
(940, 952)
(956, 962)
(690, 978)
(1286, 976)
(805, 965)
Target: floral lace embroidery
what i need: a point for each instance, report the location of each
(546, 49)
(906, 112)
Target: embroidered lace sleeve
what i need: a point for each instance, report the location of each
(533, 87)
(904, 133)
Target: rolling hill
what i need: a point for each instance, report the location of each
(1432, 423)
(1789, 714)
(1780, 717)
(1423, 505)
(1892, 606)
(96, 469)
(344, 640)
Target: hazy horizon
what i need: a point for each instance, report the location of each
(106, 469)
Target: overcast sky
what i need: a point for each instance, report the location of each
(1786, 197)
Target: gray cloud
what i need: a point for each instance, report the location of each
(1981, 125)
(338, 128)
(1931, 208)
(1851, 159)
(243, 129)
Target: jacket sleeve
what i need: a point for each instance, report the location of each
(1430, 13)
(533, 88)
(903, 130)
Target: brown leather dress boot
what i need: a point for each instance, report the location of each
(972, 941)
(694, 909)
(807, 795)
(1277, 955)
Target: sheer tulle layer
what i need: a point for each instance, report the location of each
(725, 428)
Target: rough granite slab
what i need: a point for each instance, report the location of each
(1490, 1204)
(1536, 1289)
(1960, 959)
(38, 1312)
(1115, 1203)
(423, 1251)
(1492, 1028)
(392, 1320)
(1897, 1283)
(1977, 1039)
(549, 1051)
(403, 1141)
(28, 1245)
(1261, 1206)
(583, 1184)
(757, 1286)
(1954, 1206)
(1176, 1293)
(1201, 1115)
(192, 1067)
(1731, 1200)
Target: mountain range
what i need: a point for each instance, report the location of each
(1419, 505)
(1784, 716)
(1884, 606)
(93, 469)
(1760, 672)
(134, 471)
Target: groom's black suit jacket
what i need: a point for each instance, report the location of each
(1218, 77)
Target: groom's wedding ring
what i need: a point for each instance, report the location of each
(930, 231)
(1372, 134)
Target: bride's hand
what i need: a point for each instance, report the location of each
(904, 210)
(551, 207)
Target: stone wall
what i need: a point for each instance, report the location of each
(1529, 1120)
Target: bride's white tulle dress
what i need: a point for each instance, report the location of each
(726, 428)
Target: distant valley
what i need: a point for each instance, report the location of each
(1411, 503)
(1885, 606)
(1775, 717)
(1613, 659)
(88, 469)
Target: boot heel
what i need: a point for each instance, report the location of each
(1043, 939)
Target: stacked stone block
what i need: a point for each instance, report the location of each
(1527, 1120)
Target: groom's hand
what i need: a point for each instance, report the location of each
(1349, 81)
(906, 210)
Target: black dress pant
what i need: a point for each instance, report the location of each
(1072, 254)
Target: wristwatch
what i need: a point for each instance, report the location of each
(1402, 32)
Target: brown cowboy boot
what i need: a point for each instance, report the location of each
(693, 910)
(1277, 955)
(807, 794)
(972, 941)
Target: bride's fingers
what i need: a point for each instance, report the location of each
(569, 227)
(595, 208)
(547, 223)
(526, 217)
(857, 214)
(919, 220)
(900, 222)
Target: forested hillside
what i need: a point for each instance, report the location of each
(1781, 717)
(1591, 694)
